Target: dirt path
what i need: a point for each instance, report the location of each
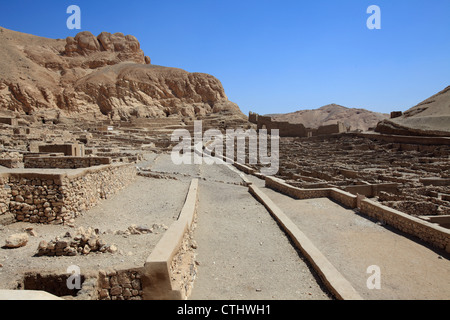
(243, 254)
(351, 242)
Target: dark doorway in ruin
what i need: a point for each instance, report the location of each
(51, 283)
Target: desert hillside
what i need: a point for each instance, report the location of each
(430, 117)
(356, 119)
(108, 76)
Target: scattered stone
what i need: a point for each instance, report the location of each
(83, 242)
(30, 231)
(16, 240)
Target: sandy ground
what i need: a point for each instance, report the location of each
(351, 242)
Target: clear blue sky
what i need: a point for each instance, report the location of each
(275, 56)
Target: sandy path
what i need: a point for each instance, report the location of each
(351, 242)
(243, 254)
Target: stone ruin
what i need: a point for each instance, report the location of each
(287, 129)
(83, 242)
(96, 160)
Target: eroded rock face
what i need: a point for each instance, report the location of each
(431, 117)
(126, 48)
(107, 75)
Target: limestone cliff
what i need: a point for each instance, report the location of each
(108, 76)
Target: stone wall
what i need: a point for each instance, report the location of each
(345, 198)
(64, 162)
(331, 129)
(433, 234)
(297, 193)
(59, 198)
(120, 285)
(71, 149)
(253, 117)
(5, 196)
(373, 190)
(286, 129)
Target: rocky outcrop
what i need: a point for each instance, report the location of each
(107, 76)
(431, 117)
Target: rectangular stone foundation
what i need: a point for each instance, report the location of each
(59, 198)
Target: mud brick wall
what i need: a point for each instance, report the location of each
(435, 235)
(64, 162)
(58, 199)
(120, 285)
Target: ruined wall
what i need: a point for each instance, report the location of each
(120, 285)
(64, 162)
(373, 190)
(5, 196)
(253, 117)
(286, 129)
(9, 121)
(72, 149)
(330, 129)
(58, 199)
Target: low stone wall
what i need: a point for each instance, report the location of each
(120, 285)
(297, 193)
(5, 195)
(64, 162)
(373, 190)
(59, 198)
(83, 191)
(345, 198)
(428, 232)
(170, 269)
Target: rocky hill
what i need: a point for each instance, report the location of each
(356, 119)
(431, 117)
(107, 76)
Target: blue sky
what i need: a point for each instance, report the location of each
(275, 56)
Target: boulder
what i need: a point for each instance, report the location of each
(16, 240)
